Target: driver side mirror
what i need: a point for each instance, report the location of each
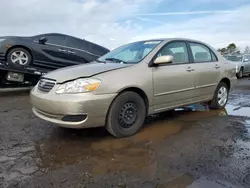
(164, 59)
(43, 40)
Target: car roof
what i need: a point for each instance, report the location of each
(179, 38)
(169, 39)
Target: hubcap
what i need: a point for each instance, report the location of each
(222, 96)
(128, 115)
(19, 57)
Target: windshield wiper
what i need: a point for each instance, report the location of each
(115, 59)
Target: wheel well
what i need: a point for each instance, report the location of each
(226, 81)
(18, 46)
(139, 92)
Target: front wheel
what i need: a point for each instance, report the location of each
(19, 57)
(126, 115)
(220, 96)
(240, 74)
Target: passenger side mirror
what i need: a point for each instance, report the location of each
(164, 59)
(43, 40)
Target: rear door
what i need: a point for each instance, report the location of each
(207, 70)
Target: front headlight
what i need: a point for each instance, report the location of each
(79, 86)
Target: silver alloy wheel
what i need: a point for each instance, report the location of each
(19, 57)
(222, 96)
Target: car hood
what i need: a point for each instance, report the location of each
(235, 62)
(82, 71)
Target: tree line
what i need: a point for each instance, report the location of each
(233, 50)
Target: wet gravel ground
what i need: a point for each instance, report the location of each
(187, 148)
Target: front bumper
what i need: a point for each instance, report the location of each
(56, 108)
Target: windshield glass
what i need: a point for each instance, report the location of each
(234, 58)
(131, 53)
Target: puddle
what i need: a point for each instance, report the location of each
(101, 153)
(99, 157)
(180, 182)
(204, 182)
(189, 181)
(247, 123)
(238, 110)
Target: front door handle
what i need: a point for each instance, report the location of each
(189, 69)
(71, 52)
(217, 66)
(61, 50)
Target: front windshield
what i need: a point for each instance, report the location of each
(233, 58)
(130, 53)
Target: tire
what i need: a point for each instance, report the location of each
(126, 105)
(16, 53)
(220, 103)
(240, 74)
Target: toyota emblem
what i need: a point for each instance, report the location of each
(42, 83)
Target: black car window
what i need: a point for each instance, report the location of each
(80, 44)
(56, 39)
(75, 43)
(178, 50)
(201, 53)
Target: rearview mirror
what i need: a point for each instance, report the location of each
(43, 40)
(164, 59)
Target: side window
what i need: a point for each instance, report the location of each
(178, 50)
(56, 39)
(200, 53)
(214, 58)
(247, 57)
(75, 43)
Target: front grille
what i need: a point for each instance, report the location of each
(45, 85)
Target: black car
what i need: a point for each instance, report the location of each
(50, 51)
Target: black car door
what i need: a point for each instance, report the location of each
(54, 52)
(79, 50)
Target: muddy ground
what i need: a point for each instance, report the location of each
(187, 148)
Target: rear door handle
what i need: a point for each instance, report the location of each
(72, 52)
(189, 69)
(61, 50)
(217, 66)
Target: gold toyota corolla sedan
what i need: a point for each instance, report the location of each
(138, 79)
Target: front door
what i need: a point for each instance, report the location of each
(55, 51)
(207, 70)
(173, 83)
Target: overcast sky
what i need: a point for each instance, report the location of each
(114, 22)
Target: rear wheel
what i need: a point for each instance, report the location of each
(126, 115)
(19, 57)
(220, 96)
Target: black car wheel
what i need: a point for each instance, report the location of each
(126, 115)
(19, 57)
(220, 96)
